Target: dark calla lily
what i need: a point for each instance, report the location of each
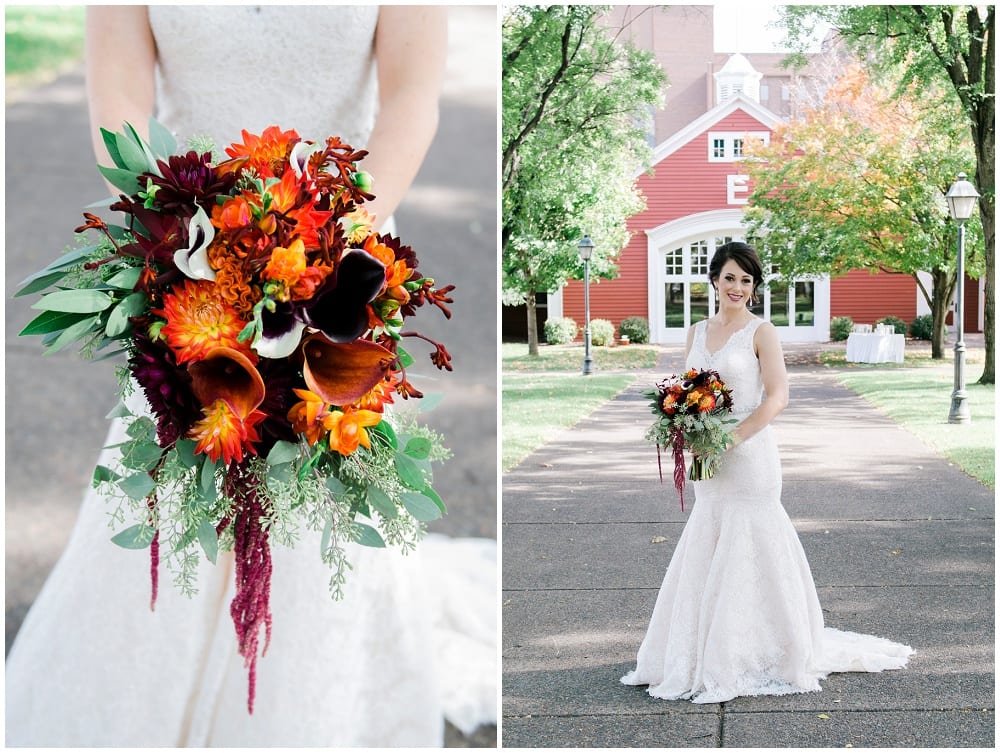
(340, 311)
(341, 373)
(227, 374)
(281, 331)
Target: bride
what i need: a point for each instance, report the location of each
(413, 640)
(738, 614)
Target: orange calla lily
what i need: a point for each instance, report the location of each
(226, 374)
(340, 373)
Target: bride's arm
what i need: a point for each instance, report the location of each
(775, 379)
(120, 62)
(410, 48)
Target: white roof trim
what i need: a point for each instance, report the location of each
(706, 121)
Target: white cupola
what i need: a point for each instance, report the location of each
(737, 76)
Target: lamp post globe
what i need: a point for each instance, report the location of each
(586, 248)
(961, 197)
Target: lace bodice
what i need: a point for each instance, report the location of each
(327, 85)
(736, 363)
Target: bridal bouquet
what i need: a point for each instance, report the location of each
(263, 321)
(691, 410)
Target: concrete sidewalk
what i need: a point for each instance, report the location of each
(899, 541)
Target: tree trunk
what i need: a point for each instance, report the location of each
(532, 323)
(944, 287)
(989, 331)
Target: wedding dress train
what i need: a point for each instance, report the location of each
(738, 614)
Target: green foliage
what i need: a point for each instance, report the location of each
(41, 39)
(840, 328)
(602, 332)
(635, 328)
(560, 330)
(898, 325)
(922, 328)
(577, 106)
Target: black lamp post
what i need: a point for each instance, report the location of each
(586, 248)
(962, 198)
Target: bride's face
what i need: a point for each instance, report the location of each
(735, 286)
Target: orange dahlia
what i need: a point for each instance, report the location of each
(222, 433)
(285, 267)
(198, 320)
(267, 153)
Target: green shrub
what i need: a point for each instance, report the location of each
(560, 331)
(922, 328)
(635, 328)
(897, 324)
(602, 332)
(840, 327)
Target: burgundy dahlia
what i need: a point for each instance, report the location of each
(167, 388)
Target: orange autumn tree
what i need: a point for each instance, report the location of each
(859, 183)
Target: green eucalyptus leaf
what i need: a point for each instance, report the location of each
(125, 279)
(132, 155)
(410, 472)
(142, 428)
(368, 536)
(335, 485)
(379, 500)
(38, 283)
(111, 144)
(161, 140)
(123, 180)
(52, 321)
(208, 539)
(137, 486)
(138, 536)
(282, 452)
(119, 411)
(69, 335)
(83, 301)
(435, 498)
(185, 452)
(420, 507)
(385, 429)
(118, 319)
(104, 474)
(140, 454)
(208, 487)
(430, 401)
(418, 447)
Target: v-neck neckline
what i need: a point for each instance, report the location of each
(713, 353)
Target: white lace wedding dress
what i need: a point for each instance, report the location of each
(737, 614)
(414, 639)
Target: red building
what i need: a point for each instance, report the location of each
(696, 191)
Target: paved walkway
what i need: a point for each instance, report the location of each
(900, 544)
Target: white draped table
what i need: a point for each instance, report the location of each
(875, 348)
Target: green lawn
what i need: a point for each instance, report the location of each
(536, 406)
(41, 40)
(570, 358)
(919, 399)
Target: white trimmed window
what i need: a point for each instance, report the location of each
(728, 146)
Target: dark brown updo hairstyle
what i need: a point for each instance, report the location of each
(743, 254)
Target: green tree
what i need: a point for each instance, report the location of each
(858, 182)
(943, 46)
(577, 107)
